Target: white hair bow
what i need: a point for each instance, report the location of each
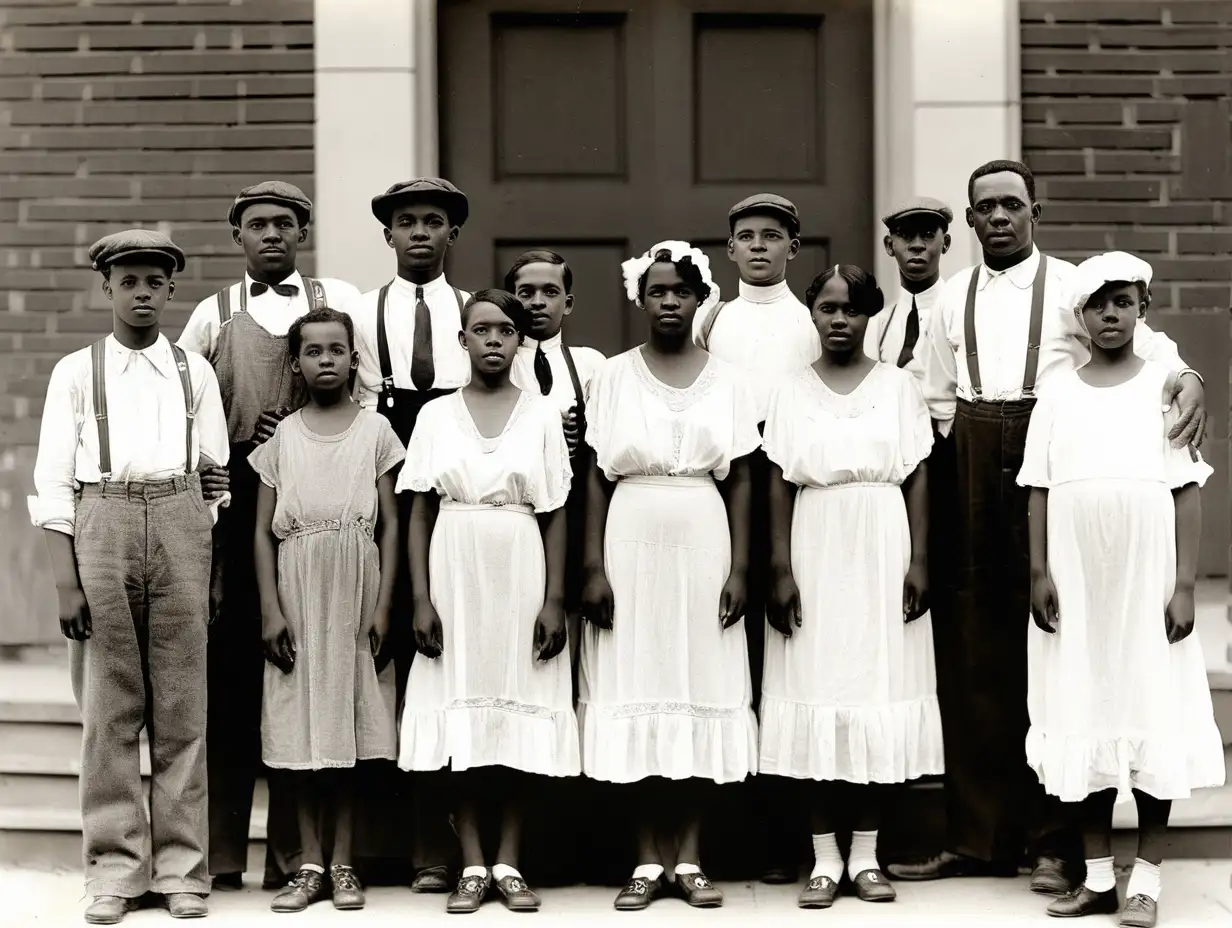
(633, 269)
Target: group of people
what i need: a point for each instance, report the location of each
(829, 543)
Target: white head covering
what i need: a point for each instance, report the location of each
(633, 269)
(1095, 272)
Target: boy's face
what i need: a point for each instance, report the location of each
(138, 291)
(1112, 313)
(917, 244)
(761, 246)
(326, 357)
(420, 235)
(541, 288)
(270, 235)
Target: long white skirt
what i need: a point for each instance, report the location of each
(1113, 705)
(667, 691)
(487, 700)
(852, 695)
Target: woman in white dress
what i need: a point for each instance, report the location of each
(1117, 688)
(849, 687)
(664, 683)
(489, 468)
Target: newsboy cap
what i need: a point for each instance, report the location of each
(272, 191)
(919, 206)
(763, 203)
(424, 190)
(132, 243)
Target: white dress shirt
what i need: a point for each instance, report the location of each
(587, 361)
(766, 332)
(269, 310)
(887, 331)
(451, 363)
(145, 418)
(1002, 321)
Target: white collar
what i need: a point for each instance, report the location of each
(158, 354)
(755, 293)
(436, 287)
(923, 299)
(293, 278)
(548, 344)
(1021, 275)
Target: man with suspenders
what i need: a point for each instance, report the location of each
(242, 330)
(1019, 303)
(406, 333)
(128, 424)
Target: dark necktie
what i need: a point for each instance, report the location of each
(422, 371)
(281, 289)
(911, 337)
(543, 371)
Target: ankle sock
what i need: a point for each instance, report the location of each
(500, 871)
(828, 861)
(315, 868)
(683, 869)
(648, 872)
(475, 871)
(863, 854)
(1144, 880)
(1100, 875)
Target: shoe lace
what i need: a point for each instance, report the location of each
(303, 879)
(1138, 903)
(344, 878)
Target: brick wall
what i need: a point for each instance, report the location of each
(118, 114)
(1127, 125)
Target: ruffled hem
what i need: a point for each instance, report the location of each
(625, 744)
(533, 739)
(1073, 766)
(873, 744)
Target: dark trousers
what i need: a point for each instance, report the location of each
(995, 804)
(143, 555)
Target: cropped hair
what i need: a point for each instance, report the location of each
(538, 256)
(506, 302)
(1001, 167)
(689, 272)
(863, 293)
(295, 335)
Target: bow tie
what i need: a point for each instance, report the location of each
(281, 289)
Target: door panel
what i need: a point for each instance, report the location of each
(599, 128)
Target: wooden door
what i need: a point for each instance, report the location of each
(599, 128)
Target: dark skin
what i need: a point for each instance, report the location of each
(1004, 217)
(421, 234)
(761, 245)
(916, 242)
(1111, 316)
(541, 288)
(138, 288)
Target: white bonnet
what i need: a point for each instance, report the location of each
(633, 269)
(1094, 272)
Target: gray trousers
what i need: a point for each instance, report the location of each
(143, 555)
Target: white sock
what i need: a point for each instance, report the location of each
(500, 871)
(1100, 875)
(1144, 881)
(863, 854)
(683, 869)
(648, 872)
(475, 871)
(315, 868)
(828, 861)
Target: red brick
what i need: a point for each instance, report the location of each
(214, 185)
(14, 234)
(1204, 297)
(152, 37)
(1194, 269)
(58, 344)
(40, 187)
(281, 161)
(1212, 243)
(213, 62)
(8, 211)
(1138, 11)
(1213, 85)
(127, 212)
(42, 301)
(46, 258)
(1108, 37)
(42, 163)
(18, 279)
(1098, 85)
(207, 239)
(214, 112)
(133, 13)
(80, 63)
(1073, 137)
(279, 111)
(1058, 162)
(158, 137)
(17, 88)
(1091, 240)
(22, 322)
(1175, 214)
(1091, 188)
(1136, 162)
(146, 87)
(1201, 11)
(1095, 62)
(1069, 111)
(1146, 111)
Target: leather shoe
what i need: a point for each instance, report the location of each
(819, 893)
(228, 881)
(348, 891)
(1139, 912)
(1083, 901)
(872, 886)
(638, 893)
(186, 905)
(469, 894)
(698, 891)
(517, 896)
(1048, 878)
(947, 865)
(431, 880)
(108, 910)
(777, 875)
(306, 888)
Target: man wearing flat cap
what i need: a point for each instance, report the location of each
(127, 426)
(243, 331)
(406, 333)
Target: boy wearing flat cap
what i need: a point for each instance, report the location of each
(406, 333)
(127, 425)
(243, 331)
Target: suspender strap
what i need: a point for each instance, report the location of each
(973, 356)
(457, 295)
(314, 290)
(181, 364)
(224, 304)
(708, 325)
(577, 381)
(98, 364)
(382, 341)
(1033, 337)
(885, 329)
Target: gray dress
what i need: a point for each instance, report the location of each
(332, 709)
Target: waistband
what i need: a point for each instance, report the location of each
(143, 489)
(480, 507)
(856, 484)
(667, 480)
(329, 525)
(991, 410)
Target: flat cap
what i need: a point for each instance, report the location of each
(760, 203)
(272, 191)
(919, 206)
(134, 242)
(422, 189)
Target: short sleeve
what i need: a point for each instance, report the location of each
(599, 393)
(776, 438)
(265, 459)
(915, 425)
(389, 450)
(1182, 466)
(550, 488)
(1035, 470)
(745, 435)
(418, 473)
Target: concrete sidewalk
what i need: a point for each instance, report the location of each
(1196, 893)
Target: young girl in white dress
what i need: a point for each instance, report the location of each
(325, 588)
(664, 682)
(489, 467)
(849, 688)
(1117, 687)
